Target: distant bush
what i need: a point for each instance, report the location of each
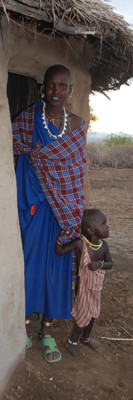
(114, 140)
(101, 155)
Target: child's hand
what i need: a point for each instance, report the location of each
(63, 233)
(94, 265)
(67, 233)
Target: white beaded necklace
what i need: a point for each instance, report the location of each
(46, 125)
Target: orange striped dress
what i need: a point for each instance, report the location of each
(88, 299)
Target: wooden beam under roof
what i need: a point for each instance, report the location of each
(31, 8)
(35, 10)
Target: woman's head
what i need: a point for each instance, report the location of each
(94, 222)
(57, 68)
(56, 85)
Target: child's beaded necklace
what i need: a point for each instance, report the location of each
(93, 246)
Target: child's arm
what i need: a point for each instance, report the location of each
(108, 263)
(105, 263)
(62, 249)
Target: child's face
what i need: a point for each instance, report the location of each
(100, 227)
(57, 88)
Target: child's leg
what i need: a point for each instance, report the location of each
(86, 335)
(71, 344)
(76, 333)
(87, 330)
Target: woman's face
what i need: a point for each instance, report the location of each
(56, 88)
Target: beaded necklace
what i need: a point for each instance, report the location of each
(60, 134)
(93, 246)
(52, 119)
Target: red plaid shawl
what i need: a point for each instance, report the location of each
(60, 169)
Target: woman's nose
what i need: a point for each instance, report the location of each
(55, 89)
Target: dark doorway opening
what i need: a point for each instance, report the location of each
(22, 91)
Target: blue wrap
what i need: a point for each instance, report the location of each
(48, 277)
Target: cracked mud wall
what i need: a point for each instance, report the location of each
(12, 327)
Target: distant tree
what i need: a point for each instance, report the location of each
(93, 118)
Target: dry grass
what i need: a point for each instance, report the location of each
(90, 22)
(120, 156)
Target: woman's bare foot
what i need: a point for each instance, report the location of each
(47, 332)
(50, 350)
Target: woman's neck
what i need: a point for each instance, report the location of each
(54, 111)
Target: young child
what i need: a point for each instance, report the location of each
(92, 259)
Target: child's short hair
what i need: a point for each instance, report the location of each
(89, 217)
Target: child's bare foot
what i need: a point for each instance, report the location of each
(89, 343)
(74, 349)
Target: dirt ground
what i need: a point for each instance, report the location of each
(107, 373)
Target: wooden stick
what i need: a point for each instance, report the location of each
(4, 8)
(109, 338)
(126, 331)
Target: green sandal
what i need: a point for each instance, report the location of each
(28, 342)
(51, 345)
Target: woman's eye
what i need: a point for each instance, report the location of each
(50, 85)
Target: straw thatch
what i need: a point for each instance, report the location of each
(94, 22)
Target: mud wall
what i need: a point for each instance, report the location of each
(31, 56)
(12, 327)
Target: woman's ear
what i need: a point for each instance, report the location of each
(71, 90)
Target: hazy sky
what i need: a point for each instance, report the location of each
(124, 8)
(115, 115)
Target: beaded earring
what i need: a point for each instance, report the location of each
(42, 94)
(69, 101)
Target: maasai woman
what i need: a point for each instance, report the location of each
(50, 169)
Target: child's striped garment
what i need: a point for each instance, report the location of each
(88, 299)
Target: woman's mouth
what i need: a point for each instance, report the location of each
(55, 98)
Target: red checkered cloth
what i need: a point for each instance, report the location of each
(60, 168)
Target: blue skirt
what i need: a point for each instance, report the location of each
(48, 277)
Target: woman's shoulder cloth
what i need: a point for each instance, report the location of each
(22, 126)
(26, 115)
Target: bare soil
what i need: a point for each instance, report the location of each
(107, 373)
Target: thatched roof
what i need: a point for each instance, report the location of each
(94, 22)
